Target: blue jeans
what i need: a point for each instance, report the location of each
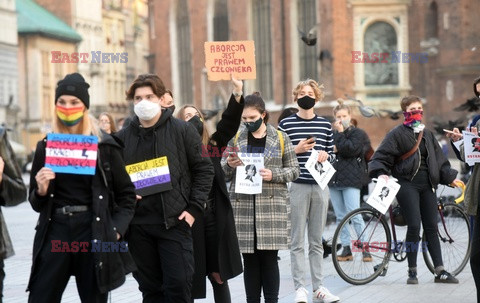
(344, 200)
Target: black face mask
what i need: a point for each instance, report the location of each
(197, 122)
(171, 107)
(254, 126)
(306, 102)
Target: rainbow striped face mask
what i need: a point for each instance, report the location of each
(70, 116)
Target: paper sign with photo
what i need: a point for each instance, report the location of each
(248, 180)
(471, 146)
(321, 172)
(383, 194)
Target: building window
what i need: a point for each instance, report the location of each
(431, 21)
(184, 54)
(380, 37)
(220, 21)
(307, 19)
(263, 46)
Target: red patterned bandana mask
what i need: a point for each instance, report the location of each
(413, 118)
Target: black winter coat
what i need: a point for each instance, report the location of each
(398, 142)
(350, 166)
(229, 258)
(191, 174)
(113, 208)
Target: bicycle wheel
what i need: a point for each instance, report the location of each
(366, 231)
(454, 240)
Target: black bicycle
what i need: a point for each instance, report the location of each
(376, 239)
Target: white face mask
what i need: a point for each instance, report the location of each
(146, 110)
(346, 123)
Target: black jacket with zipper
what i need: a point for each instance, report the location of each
(191, 174)
(113, 200)
(399, 141)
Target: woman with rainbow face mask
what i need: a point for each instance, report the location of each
(77, 210)
(418, 175)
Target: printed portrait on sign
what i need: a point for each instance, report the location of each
(251, 171)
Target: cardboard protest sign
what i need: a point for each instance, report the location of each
(230, 57)
(471, 147)
(383, 194)
(322, 172)
(151, 176)
(247, 178)
(71, 154)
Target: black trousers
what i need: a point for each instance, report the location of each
(475, 254)
(164, 259)
(2, 278)
(54, 269)
(419, 205)
(221, 292)
(261, 271)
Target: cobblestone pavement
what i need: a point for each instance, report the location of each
(391, 288)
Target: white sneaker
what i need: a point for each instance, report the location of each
(301, 295)
(322, 295)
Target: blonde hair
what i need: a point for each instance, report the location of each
(317, 89)
(181, 116)
(86, 126)
(341, 105)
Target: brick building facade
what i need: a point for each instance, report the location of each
(443, 28)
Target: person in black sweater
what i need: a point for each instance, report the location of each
(160, 233)
(215, 240)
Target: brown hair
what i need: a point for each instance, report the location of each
(406, 101)
(181, 116)
(168, 91)
(317, 89)
(113, 127)
(255, 100)
(150, 80)
(341, 105)
(475, 82)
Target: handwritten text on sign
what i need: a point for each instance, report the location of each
(230, 57)
(71, 154)
(151, 176)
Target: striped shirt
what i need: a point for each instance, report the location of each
(299, 129)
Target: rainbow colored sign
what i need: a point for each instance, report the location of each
(71, 154)
(151, 176)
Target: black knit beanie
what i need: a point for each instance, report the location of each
(73, 85)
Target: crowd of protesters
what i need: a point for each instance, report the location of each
(153, 186)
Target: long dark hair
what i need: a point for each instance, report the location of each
(256, 101)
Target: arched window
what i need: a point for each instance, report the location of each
(184, 53)
(220, 21)
(307, 19)
(431, 21)
(380, 37)
(263, 46)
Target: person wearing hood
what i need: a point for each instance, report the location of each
(78, 211)
(412, 154)
(160, 234)
(215, 242)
